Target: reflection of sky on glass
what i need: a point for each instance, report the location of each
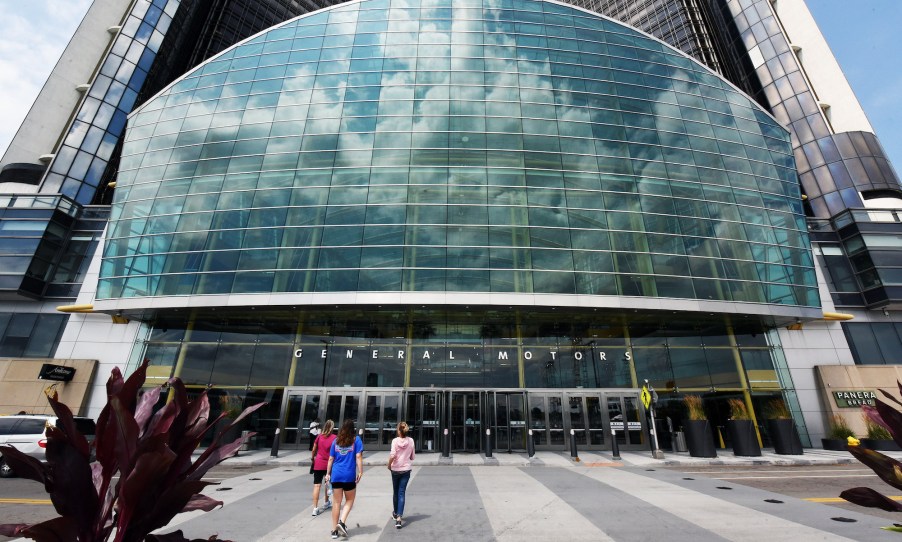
(480, 127)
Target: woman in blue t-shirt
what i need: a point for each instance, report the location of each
(344, 471)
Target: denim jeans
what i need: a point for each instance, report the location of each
(399, 484)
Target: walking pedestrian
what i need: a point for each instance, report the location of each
(320, 459)
(314, 431)
(344, 471)
(402, 454)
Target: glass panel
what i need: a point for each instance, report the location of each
(293, 418)
(333, 409)
(430, 421)
(371, 427)
(391, 415)
(517, 415)
(311, 413)
(537, 422)
(555, 421)
(615, 415)
(577, 420)
(596, 423)
(633, 419)
(352, 409)
(500, 428)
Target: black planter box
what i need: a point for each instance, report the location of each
(699, 438)
(880, 445)
(839, 444)
(784, 437)
(745, 441)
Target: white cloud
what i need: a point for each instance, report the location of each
(34, 36)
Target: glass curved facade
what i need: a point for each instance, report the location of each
(492, 146)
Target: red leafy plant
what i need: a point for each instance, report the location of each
(143, 474)
(888, 469)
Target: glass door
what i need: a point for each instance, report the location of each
(595, 420)
(576, 416)
(465, 415)
(381, 417)
(422, 414)
(300, 408)
(586, 420)
(546, 420)
(508, 412)
(343, 405)
(624, 415)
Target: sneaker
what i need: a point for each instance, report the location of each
(394, 516)
(316, 512)
(342, 529)
(327, 505)
(398, 522)
(334, 535)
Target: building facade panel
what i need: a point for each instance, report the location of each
(548, 151)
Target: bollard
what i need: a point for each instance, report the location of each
(488, 443)
(615, 448)
(530, 445)
(573, 453)
(446, 444)
(274, 452)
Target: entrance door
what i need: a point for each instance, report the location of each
(342, 405)
(301, 408)
(546, 419)
(381, 417)
(624, 414)
(508, 412)
(465, 415)
(586, 420)
(423, 415)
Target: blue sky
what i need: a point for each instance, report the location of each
(865, 36)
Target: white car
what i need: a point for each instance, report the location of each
(27, 433)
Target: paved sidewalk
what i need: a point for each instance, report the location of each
(471, 498)
(467, 500)
(812, 456)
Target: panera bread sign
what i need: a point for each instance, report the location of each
(854, 399)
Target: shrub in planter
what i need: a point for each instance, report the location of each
(742, 430)
(887, 468)
(838, 435)
(143, 474)
(230, 409)
(782, 429)
(878, 437)
(699, 435)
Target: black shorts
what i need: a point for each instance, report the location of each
(318, 476)
(346, 486)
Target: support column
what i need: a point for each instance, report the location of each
(743, 380)
(183, 351)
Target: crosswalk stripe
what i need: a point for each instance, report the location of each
(744, 524)
(521, 508)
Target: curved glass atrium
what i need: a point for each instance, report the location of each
(503, 146)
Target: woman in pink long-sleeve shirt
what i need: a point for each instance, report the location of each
(402, 453)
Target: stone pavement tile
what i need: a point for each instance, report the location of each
(616, 511)
(476, 503)
(520, 508)
(717, 515)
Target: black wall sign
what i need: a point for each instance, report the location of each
(56, 372)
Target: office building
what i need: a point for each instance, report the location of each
(491, 214)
